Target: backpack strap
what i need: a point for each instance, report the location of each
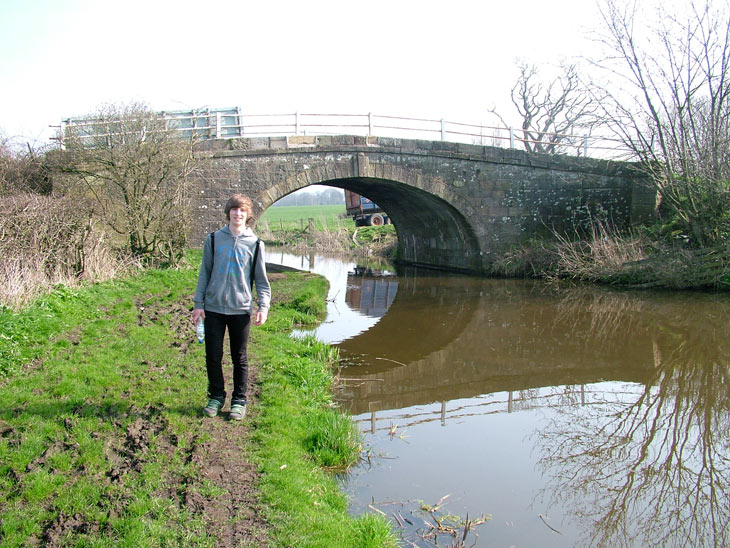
(254, 263)
(212, 246)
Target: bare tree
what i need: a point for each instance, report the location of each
(23, 169)
(670, 106)
(555, 114)
(138, 171)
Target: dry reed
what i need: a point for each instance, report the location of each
(600, 257)
(46, 241)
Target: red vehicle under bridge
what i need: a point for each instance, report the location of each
(364, 211)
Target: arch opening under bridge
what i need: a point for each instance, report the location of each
(425, 224)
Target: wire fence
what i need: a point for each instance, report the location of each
(231, 123)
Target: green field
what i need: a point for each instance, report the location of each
(326, 217)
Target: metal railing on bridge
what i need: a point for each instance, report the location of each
(228, 123)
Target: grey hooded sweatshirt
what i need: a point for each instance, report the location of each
(224, 280)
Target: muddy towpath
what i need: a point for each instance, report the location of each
(102, 438)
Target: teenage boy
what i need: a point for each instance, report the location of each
(233, 259)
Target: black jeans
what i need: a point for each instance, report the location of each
(238, 328)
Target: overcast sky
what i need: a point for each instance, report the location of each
(447, 59)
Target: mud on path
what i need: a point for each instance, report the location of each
(233, 513)
(233, 517)
(218, 484)
(222, 492)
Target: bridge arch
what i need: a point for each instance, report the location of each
(428, 218)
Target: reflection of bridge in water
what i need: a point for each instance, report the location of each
(448, 337)
(638, 462)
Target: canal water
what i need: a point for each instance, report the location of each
(562, 416)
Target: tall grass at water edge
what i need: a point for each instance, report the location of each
(619, 258)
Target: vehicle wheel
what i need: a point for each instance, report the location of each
(377, 220)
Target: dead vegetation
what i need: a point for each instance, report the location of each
(631, 260)
(337, 239)
(46, 241)
(429, 525)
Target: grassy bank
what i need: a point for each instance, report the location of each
(631, 260)
(102, 442)
(300, 437)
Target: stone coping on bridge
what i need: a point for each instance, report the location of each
(359, 143)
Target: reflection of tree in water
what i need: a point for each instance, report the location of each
(653, 469)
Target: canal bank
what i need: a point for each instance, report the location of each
(103, 441)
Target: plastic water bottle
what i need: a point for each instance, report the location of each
(200, 330)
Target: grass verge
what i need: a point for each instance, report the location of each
(300, 437)
(101, 437)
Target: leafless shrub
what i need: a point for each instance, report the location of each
(45, 241)
(670, 104)
(23, 169)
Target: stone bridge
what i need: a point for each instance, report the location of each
(454, 206)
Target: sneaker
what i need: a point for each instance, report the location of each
(213, 407)
(238, 411)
